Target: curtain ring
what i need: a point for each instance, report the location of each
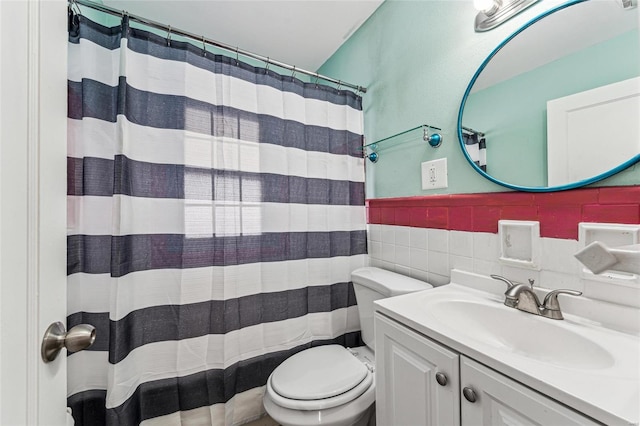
(267, 67)
(237, 56)
(169, 36)
(204, 47)
(293, 74)
(339, 84)
(316, 82)
(125, 21)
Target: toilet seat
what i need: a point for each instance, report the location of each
(319, 378)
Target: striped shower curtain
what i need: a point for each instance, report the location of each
(476, 146)
(215, 212)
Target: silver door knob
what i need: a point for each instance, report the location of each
(56, 337)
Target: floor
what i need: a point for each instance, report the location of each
(263, 421)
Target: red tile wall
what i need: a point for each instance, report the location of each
(558, 212)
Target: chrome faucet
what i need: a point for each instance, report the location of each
(521, 296)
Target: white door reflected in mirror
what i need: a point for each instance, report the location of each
(591, 132)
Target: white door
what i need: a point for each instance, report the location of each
(416, 379)
(592, 132)
(33, 74)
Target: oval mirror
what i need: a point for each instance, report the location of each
(557, 104)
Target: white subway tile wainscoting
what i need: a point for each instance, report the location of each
(430, 255)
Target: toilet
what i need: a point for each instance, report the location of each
(332, 385)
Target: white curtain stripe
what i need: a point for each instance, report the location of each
(86, 371)
(92, 215)
(91, 137)
(87, 51)
(144, 289)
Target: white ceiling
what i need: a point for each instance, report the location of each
(303, 33)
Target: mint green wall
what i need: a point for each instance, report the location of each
(416, 59)
(513, 112)
(99, 17)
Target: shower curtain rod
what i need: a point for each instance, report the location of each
(203, 39)
(470, 130)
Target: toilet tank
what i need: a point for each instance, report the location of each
(371, 284)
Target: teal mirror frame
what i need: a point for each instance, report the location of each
(573, 185)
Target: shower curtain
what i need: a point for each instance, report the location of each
(476, 148)
(215, 213)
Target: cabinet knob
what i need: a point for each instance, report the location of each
(469, 394)
(441, 378)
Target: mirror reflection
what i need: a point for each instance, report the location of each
(559, 103)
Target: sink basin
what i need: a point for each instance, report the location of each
(542, 339)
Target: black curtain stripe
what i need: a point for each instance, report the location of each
(88, 407)
(102, 177)
(120, 255)
(100, 320)
(90, 98)
(106, 37)
(177, 322)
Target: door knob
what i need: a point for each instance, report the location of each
(56, 337)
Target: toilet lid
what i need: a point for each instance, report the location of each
(318, 373)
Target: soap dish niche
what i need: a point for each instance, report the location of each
(519, 243)
(612, 235)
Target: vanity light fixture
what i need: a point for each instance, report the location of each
(494, 12)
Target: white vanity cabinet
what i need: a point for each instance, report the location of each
(420, 382)
(407, 391)
(500, 400)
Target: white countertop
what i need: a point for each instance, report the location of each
(608, 392)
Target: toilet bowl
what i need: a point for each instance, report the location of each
(332, 385)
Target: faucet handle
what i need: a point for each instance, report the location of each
(507, 281)
(550, 302)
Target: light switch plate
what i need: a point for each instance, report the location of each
(434, 174)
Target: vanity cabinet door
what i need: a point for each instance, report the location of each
(408, 392)
(500, 400)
